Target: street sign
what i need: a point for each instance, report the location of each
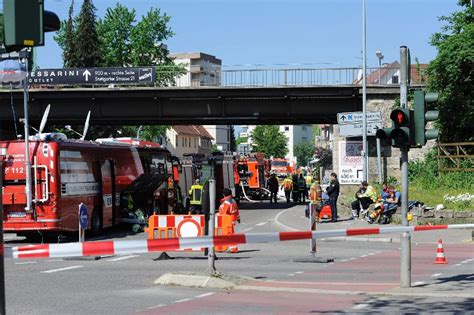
(351, 162)
(93, 76)
(83, 217)
(355, 130)
(357, 117)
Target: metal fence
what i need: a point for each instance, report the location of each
(277, 77)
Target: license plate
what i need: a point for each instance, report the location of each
(17, 215)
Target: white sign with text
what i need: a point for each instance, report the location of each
(351, 162)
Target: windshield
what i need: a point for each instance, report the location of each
(280, 163)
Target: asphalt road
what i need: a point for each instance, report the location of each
(364, 277)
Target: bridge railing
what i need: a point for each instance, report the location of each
(277, 77)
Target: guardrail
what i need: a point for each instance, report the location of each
(276, 77)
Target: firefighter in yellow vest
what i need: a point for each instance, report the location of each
(287, 186)
(195, 194)
(315, 197)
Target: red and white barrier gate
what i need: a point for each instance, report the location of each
(173, 244)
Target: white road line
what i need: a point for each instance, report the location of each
(363, 256)
(457, 265)
(122, 258)
(436, 275)
(299, 272)
(360, 306)
(465, 261)
(246, 230)
(261, 223)
(352, 258)
(156, 306)
(418, 283)
(204, 295)
(61, 269)
(291, 275)
(344, 260)
(26, 263)
(181, 301)
(371, 254)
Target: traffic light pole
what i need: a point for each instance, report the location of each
(405, 242)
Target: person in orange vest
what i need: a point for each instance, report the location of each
(315, 196)
(229, 207)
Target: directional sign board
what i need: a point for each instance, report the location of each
(93, 76)
(355, 130)
(83, 217)
(357, 117)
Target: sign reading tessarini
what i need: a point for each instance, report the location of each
(93, 76)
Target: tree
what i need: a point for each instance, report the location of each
(241, 140)
(270, 141)
(303, 152)
(88, 48)
(451, 74)
(114, 32)
(69, 49)
(233, 144)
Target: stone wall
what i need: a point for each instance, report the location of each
(383, 100)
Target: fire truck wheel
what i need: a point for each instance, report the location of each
(96, 223)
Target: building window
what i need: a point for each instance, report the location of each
(395, 79)
(182, 141)
(287, 128)
(176, 142)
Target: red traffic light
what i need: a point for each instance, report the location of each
(400, 117)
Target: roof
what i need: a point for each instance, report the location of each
(416, 73)
(193, 130)
(196, 55)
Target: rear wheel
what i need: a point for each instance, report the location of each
(96, 224)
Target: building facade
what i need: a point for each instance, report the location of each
(221, 135)
(192, 139)
(200, 69)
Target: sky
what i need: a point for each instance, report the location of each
(281, 33)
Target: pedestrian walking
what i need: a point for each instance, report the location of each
(301, 186)
(316, 198)
(333, 192)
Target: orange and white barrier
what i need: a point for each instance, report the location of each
(173, 244)
(185, 226)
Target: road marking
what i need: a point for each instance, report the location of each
(26, 263)
(299, 272)
(457, 265)
(291, 275)
(344, 260)
(418, 283)
(122, 258)
(465, 261)
(360, 306)
(61, 269)
(156, 306)
(261, 223)
(352, 258)
(204, 295)
(363, 256)
(246, 230)
(181, 301)
(436, 275)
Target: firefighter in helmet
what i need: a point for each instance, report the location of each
(195, 194)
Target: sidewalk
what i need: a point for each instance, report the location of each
(293, 219)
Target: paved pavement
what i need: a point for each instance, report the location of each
(364, 277)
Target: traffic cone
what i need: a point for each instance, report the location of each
(440, 258)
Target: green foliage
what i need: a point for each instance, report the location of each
(241, 140)
(451, 74)
(87, 48)
(270, 141)
(233, 144)
(424, 173)
(214, 148)
(149, 133)
(324, 157)
(303, 152)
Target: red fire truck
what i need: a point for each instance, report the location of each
(66, 173)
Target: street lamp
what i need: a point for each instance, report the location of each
(379, 55)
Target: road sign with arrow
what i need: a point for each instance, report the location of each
(93, 76)
(350, 124)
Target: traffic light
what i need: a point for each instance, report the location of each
(401, 133)
(25, 22)
(423, 116)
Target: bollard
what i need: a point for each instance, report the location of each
(212, 216)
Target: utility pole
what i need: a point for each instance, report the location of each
(405, 244)
(364, 98)
(24, 55)
(212, 219)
